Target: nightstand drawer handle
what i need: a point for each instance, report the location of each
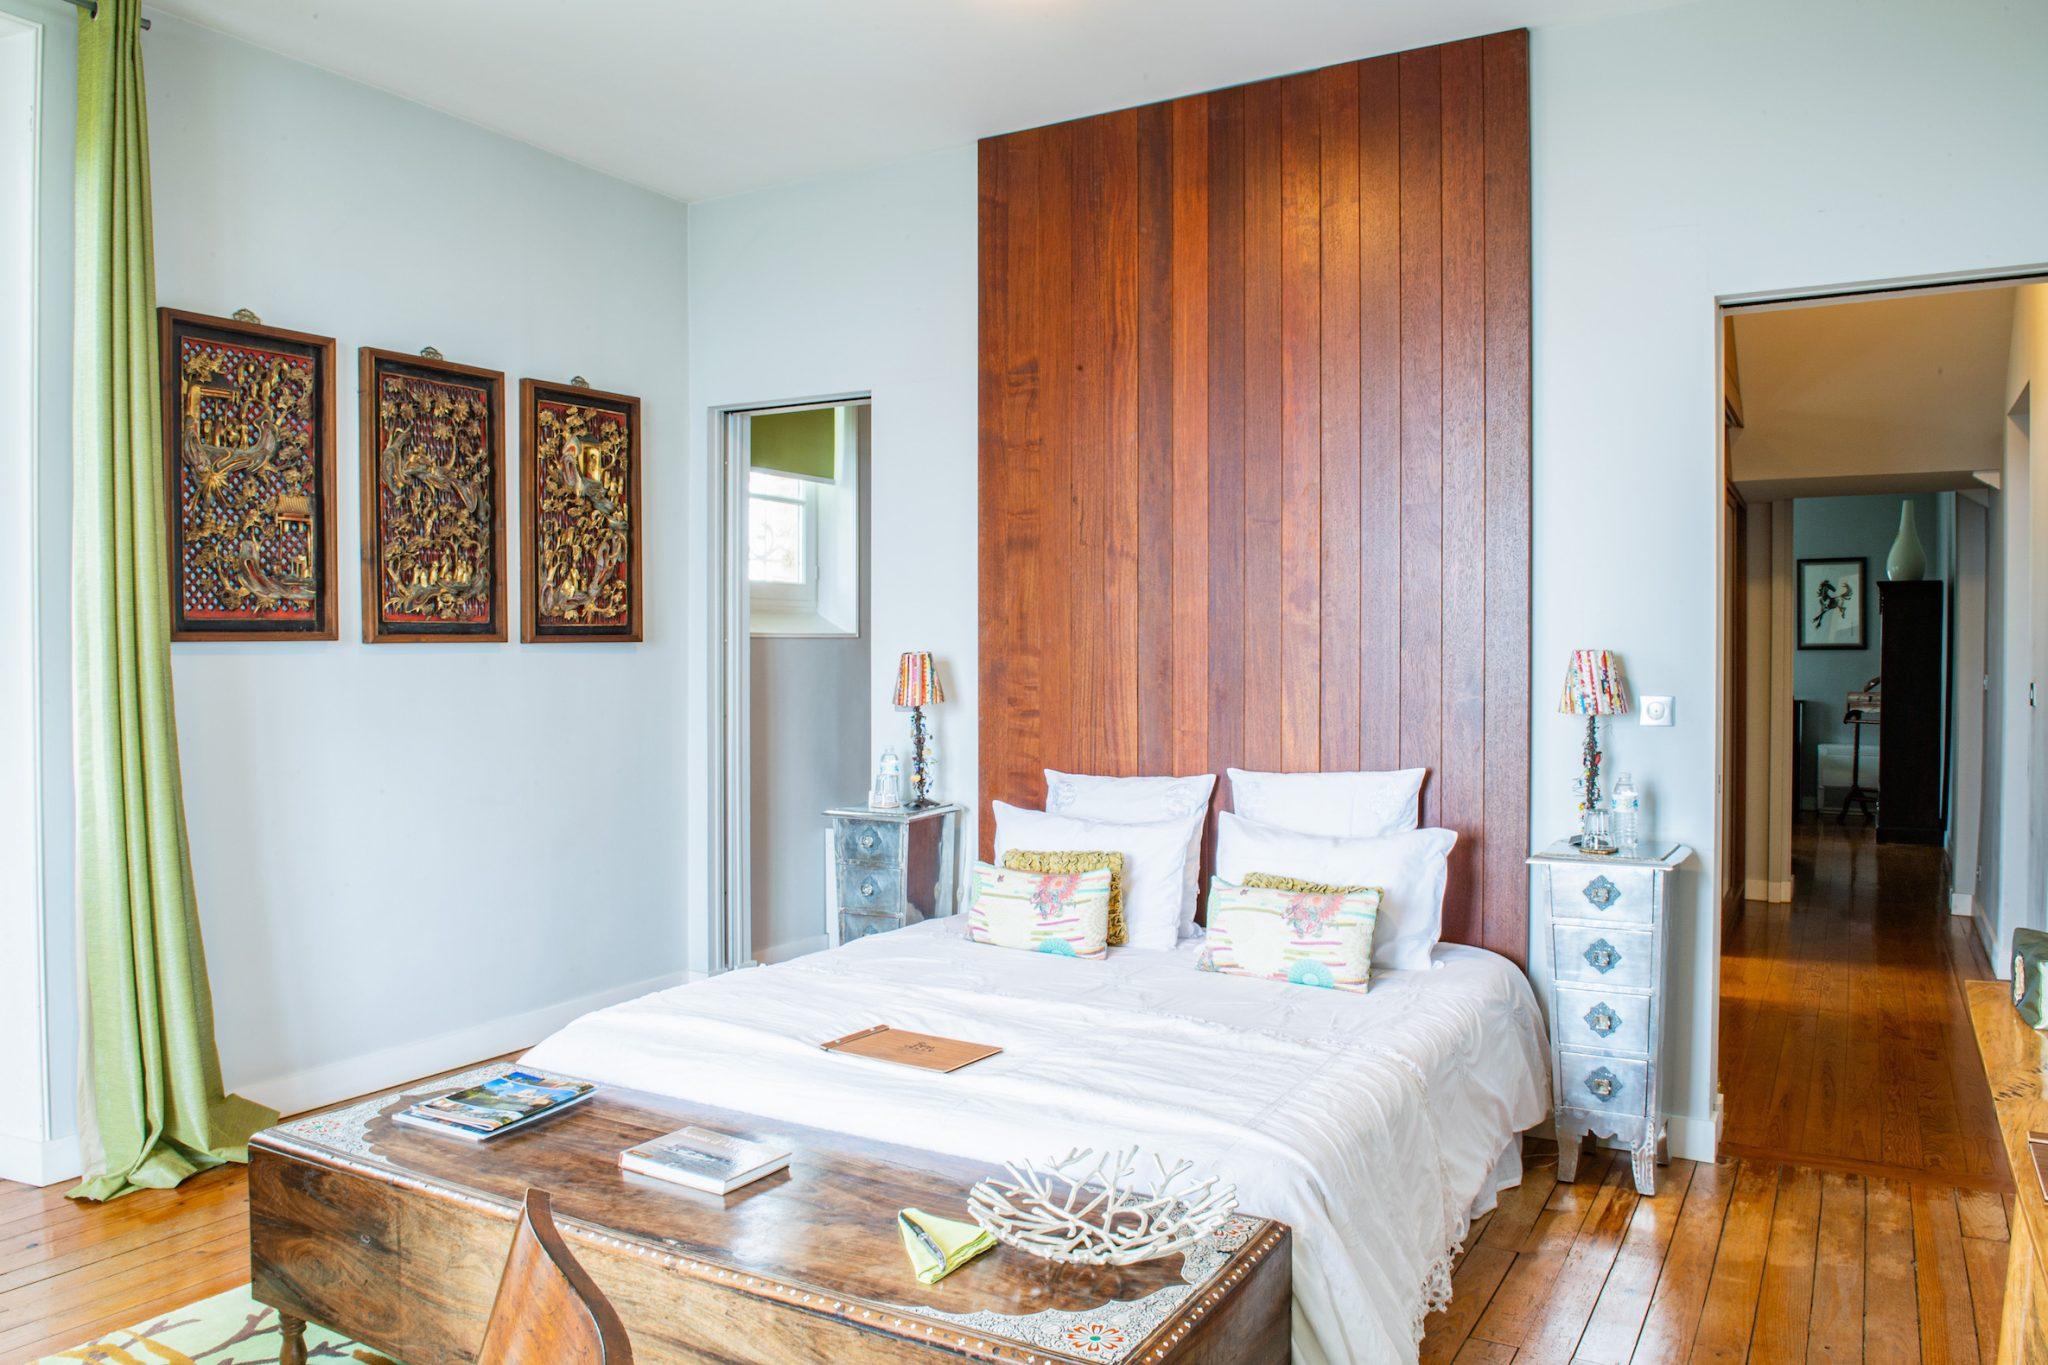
(1602, 1019)
(1602, 956)
(1604, 1084)
(868, 887)
(868, 840)
(1602, 893)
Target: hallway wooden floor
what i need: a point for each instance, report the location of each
(1845, 1037)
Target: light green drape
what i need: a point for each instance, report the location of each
(152, 1106)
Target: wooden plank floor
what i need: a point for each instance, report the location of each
(1745, 1260)
(1845, 1035)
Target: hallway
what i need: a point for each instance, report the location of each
(1845, 1037)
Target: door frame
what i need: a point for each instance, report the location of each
(731, 787)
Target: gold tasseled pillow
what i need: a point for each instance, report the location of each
(1267, 881)
(1028, 860)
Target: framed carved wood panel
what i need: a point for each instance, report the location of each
(248, 433)
(579, 493)
(433, 474)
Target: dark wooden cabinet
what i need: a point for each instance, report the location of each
(1913, 653)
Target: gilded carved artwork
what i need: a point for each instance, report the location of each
(580, 502)
(433, 500)
(248, 422)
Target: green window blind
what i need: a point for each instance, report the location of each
(800, 445)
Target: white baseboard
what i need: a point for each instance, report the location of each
(27, 1161)
(783, 952)
(1961, 903)
(1694, 1139)
(1761, 889)
(297, 1091)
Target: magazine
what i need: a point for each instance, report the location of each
(705, 1159)
(511, 1101)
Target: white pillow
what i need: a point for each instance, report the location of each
(1140, 800)
(1340, 805)
(1408, 868)
(1155, 862)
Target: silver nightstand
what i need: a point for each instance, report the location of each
(893, 867)
(1606, 919)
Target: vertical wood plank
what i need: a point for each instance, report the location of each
(1461, 780)
(1672, 1323)
(1122, 534)
(1086, 744)
(1159, 439)
(1624, 1301)
(1301, 458)
(1226, 338)
(1505, 62)
(992, 637)
(1785, 1299)
(1891, 1315)
(1339, 729)
(1379, 362)
(1189, 306)
(1264, 423)
(1730, 1311)
(1051, 548)
(1422, 419)
(1948, 1324)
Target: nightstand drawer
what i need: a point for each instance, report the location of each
(1602, 1021)
(870, 841)
(1610, 956)
(870, 888)
(853, 926)
(1612, 895)
(1617, 1086)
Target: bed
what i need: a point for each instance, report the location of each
(1376, 1125)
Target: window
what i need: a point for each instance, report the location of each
(782, 541)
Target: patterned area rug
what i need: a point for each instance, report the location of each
(227, 1329)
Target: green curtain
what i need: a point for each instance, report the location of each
(153, 1110)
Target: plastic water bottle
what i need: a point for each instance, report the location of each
(1627, 804)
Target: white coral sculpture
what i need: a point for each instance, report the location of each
(1086, 1208)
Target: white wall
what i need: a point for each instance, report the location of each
(1711, 150)
(861, 283)
(408, 857)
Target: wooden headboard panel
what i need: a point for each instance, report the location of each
(1255, 445)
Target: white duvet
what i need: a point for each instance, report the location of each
(1370, 1124)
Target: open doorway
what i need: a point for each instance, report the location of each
(1876, 744)
(794, 564)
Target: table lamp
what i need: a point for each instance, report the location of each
(917, 686)
(1593, 688)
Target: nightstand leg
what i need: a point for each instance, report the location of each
(1645, 1163)
(293, 1332)
(1568, 1155)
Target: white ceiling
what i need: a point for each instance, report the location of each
(703, 98)
(1897, 394)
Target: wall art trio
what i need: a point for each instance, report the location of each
(249, 478)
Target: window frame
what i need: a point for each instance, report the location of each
(799, 598)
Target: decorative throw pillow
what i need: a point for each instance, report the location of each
(1141, 800)
(1309, 938)
(1026, 860)
(1358, 805)
(1408, 869)
(1155, 862)
(1267, 881)
(1065, 913)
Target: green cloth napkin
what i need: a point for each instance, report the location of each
(958, 1243)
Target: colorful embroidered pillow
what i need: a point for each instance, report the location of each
(1028, 860)
(1308, 938)
(1066, 913)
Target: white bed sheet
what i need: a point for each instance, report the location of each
(1371, 1124)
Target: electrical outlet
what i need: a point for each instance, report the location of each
(1656, 710)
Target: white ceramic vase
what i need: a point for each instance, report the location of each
(1907, 563)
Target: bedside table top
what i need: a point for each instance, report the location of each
(901, 815)
(1658, 853)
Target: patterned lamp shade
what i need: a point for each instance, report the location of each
(1593, 685)
(917, 681)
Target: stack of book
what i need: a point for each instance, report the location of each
(496, 1107)
(704, 1159)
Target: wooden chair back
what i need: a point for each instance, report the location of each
(548, 1310)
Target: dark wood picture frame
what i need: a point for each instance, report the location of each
(1861, 598)
(173, 326)
(377, 629)
(532, 628)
